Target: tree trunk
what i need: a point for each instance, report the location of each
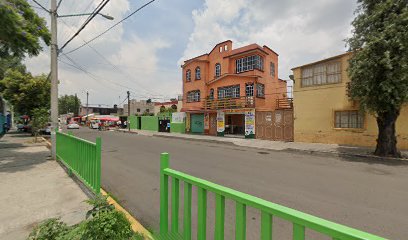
(387, 140)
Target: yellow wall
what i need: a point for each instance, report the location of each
(314, 114)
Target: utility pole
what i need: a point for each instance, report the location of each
(87, 96)
(128, 119)
(54, 78)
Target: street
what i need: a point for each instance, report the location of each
(361, 194)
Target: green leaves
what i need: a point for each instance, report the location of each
(26, 92)
(21, 29)
(379, 65)
(68, 104)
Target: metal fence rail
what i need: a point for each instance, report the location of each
(267, 209)
(81, 157)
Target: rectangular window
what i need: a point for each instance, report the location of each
(193, 96)
(260, 90)
(229, 92)
(321, 74)
(138, 110)
(249, 89)
(348, 119)
(272, 69)
(249, 63)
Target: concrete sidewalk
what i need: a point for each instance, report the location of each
(313, 148)
(34, 188)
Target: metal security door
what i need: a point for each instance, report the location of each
(197, 123)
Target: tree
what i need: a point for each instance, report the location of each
(69, 104)
(26, 92)
(40, 118)
(379, 65)
(21, 29)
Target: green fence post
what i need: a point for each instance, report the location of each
(201, 214)
(98, 159)
(164, 195)
(266, 226)
(187, 211)
(174, 205)
(219, 217)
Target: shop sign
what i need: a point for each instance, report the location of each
(206, 121)
(250, 122)
(220, 121)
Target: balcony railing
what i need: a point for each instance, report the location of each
(284, 103)
(228, 103)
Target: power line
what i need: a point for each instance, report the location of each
(88, 20)
(107, 30)
(93, 76)
(59, 3)
(41, 6)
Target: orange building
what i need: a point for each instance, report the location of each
(223, 89)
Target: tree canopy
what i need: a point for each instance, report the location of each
(379, 65)
(21, 29)
(26, 92)
(68, 104)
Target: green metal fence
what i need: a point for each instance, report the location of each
(81, 157)
(268, 211)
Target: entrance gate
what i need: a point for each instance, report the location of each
(275, 125)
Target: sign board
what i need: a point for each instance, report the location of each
(268, 117)
(178, 117)
(220, 121)
(250, 122)
(206, 121)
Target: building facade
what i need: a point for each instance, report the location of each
(223, 90)
(98, 110)
(175, 105)
(138, 107)
(324, 113)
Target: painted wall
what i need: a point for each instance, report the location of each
(314, 109)
(134, 122)
(274, 88)
(150, 123)
(178, 127)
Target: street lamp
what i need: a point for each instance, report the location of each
(86, 14)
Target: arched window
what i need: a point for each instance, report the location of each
(188, 75)
(217, 70)
(174, 107)
(197, 73)
(211, 93)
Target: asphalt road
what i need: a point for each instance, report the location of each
(366, 195)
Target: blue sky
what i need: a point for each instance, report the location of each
(144, 53)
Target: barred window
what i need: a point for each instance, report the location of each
(249, 63)
(349, 119)
(193, 96)
(249, 89)
(198, 73)
(229, 92)
(188, 75)
(217, 70)
(321, 74)
(260, 90)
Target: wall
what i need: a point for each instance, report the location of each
(150, 123)
(314, 115)
(178, 127)
(134, 121)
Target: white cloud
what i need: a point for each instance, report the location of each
(300, 31)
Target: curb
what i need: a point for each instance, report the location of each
(136, 226)
(300, 151)
(46, 142)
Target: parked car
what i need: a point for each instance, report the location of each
(73, 125)
(46, 130)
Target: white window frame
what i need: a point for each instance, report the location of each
(197, 73)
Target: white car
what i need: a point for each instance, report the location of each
(73, 126)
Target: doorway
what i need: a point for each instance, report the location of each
(235, 124)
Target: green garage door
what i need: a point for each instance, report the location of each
(197, 123)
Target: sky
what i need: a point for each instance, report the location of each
(143, 54)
